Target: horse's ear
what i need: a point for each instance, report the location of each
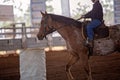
(45, 12)
(42, 13)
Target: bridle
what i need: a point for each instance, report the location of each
(45, 32)
(51, 29)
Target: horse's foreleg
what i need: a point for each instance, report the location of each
(86, 66)
(90, 74)
(72, 61)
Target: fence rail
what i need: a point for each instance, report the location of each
(18, 36)
(17, 31)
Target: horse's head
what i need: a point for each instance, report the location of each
(45, 26)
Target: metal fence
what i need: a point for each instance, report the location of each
(17, 36)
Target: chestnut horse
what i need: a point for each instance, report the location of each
(67, 27)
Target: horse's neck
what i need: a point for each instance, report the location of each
(67, 32)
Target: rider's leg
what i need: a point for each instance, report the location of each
(90, 33)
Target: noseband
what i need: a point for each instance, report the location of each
(51, 29)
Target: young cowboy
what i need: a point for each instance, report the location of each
(96, 14)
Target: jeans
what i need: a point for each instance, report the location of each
(93, 24)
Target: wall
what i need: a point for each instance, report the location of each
(117, 11)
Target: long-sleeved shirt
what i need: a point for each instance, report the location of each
(96, 12)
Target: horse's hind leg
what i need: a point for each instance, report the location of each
(72, 61)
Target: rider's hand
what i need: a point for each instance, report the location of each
(83, 16)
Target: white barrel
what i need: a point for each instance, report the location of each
(32, 64)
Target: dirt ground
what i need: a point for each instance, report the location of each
(103, 67)
(9, 67)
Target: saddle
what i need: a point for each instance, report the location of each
(102, 31)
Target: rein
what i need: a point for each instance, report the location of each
(52, 29)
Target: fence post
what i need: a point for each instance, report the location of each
(24, 36)
(50, 41)
(14, 31)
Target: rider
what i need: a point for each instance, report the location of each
(96, 14)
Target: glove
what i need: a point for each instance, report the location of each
(83, 16)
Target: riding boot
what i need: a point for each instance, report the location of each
(89, 43)
(90, 46)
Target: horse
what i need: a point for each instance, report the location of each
(68, 29)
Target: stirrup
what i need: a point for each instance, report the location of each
(89, 43)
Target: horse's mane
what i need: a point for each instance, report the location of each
(65, 20)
